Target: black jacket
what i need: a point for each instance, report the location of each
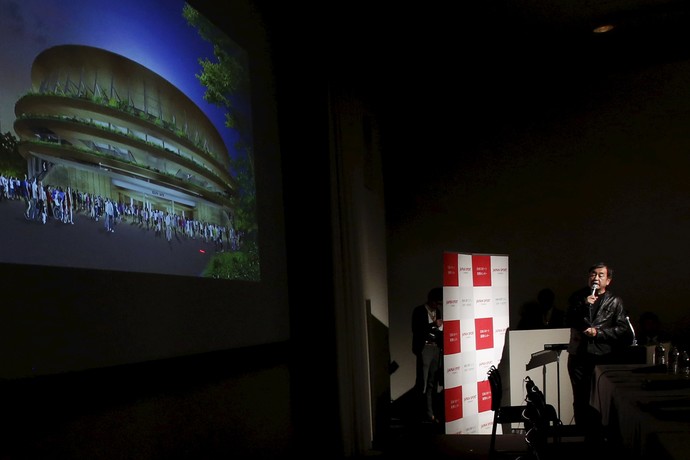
(423, 331)
(607, 315)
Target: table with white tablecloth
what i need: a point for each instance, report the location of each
(643, 406)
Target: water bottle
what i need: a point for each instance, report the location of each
(685, 363)
(673, 360)
(659, 355)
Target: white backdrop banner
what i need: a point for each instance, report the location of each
(475, 321)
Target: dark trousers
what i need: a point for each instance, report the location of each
(426, 385)
(581, 372)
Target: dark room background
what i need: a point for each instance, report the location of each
(558, 150)
(404, 131)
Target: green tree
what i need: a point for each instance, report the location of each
(11, 162)
(224, 79)
(241, 265)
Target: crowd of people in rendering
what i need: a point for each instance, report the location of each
(45, 202)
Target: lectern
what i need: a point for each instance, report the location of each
(558, 348)
(522, 344)
(542, 358)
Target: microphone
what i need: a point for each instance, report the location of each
(634, 342)
(595, 288)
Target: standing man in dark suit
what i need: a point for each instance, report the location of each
(427, 345)
(599, 328)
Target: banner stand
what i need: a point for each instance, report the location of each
(475, 323)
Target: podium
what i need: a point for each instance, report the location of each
(541, 358)
(550, 354)
(521, 345)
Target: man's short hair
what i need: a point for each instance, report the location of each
(609, 270)
(435, 295)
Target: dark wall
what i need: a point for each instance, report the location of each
(230, 404)
(557, 151)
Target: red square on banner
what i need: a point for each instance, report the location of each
(453, 398)
(484, 395)
(451, 337)
(450, 269)
(484, 333)
(481, 270)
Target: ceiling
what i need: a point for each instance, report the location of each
(383, 36)
(580, 16)
(653, 26)
(444, 77)
(399, 41)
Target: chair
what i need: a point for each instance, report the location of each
(503, 415)
(539, 420)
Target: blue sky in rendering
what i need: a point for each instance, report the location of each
(152, 33)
